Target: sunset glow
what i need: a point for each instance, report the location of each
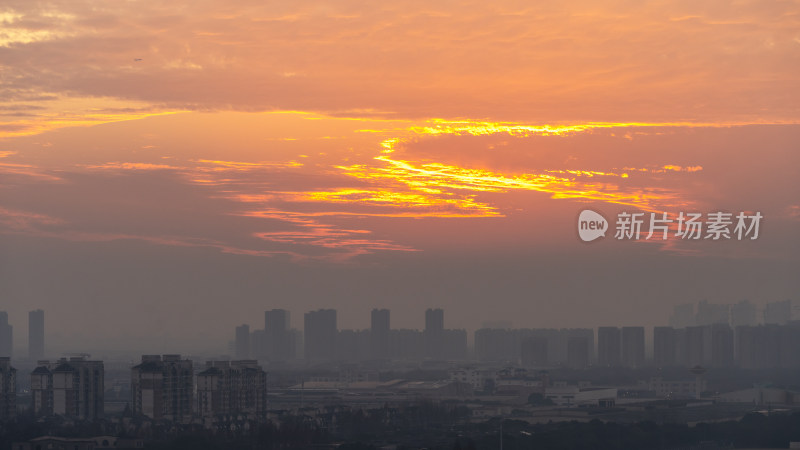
(348, 136)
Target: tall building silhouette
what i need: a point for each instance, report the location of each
(577, 352)
(353, 345)
(406, 344)
(665, 345)
(778, 312)
(711, 313)
(743, 314)
(163, 388)
(6, 336)
(279, 345)
(320, 332)
(8, 389)
(722, 343)
(609, 352)
(493, 344)
(633, 346)
(682, 316)
(242, 342)
(36, 335)
(455, 344)
(694, 344)
(533, 351)
(434, 333)
(379, 333)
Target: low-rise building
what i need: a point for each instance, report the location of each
(573, 395)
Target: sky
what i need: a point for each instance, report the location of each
(171, 170)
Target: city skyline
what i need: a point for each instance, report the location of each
(405, 224)
(277, 338)
(170, 169)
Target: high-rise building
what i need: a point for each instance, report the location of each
(36, 335)
(320, 332)
(778, 312)
(163, 388)
(710, 313)
(243, 342)
(379, 333)
(352, 345)
(682, 316)
(280, 345)
(258, 345)
(768, 346)
(73, 388)
(496, 344)
(8, 389)
(633, 346)
(42, 390)
(533, 351)
(695, 346)
(6, 336)
(455, 344)
(232, 388)
(721, 345)
(578, 352)
(743, 314)
(609, 346)
(434, 333)
(789, 343)
(664, 346)
(406, 344)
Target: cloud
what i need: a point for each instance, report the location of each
(238, 185)
(573, 62)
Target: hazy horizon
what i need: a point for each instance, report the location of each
(168, 172)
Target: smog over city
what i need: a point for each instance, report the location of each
(480, 216)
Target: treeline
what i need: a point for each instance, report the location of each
(429, 425)
(752, 431)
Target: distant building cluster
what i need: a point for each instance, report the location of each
(169, 387)
(728, 335)
(536, 347)
(35, 335)
(710, 335)
(322, 340)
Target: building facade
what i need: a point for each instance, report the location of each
(72, 388)
(227, 388)
(280, 341)
(8, 389)
(320, 332)
(434, 333)
(163, 388)
(633, 347)
(380, 328)
(36, 335)
(609, 351)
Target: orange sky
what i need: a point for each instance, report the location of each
(352, 134)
